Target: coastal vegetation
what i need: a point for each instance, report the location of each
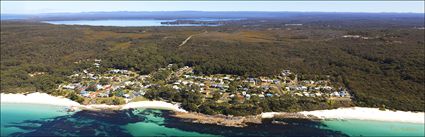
(381, 64)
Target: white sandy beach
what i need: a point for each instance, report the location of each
(43, 98)
(38, 98)
(153, 104)
(362, 113)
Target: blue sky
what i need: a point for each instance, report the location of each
(34, 7)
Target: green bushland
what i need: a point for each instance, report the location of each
(387, 69)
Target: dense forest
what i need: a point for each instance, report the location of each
(384, 67)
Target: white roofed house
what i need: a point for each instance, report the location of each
(99, 87)
(303, 88)
(96, 64)
(126, 96)
(286, 72)
(287, 89)
(327, 88)
(176, 87)
(103, 95)
(127, 83)
(335, 94)
(318, 94)
(70, 86)
(247, 96)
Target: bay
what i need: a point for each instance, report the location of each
(46, 120)
(131, 23)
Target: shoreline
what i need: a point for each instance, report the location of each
(373, 114)
(46, 99)
(355, 113)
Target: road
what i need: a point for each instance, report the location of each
(188, 38)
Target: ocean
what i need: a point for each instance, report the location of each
(47, 120)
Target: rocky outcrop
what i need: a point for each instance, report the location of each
(232, 121)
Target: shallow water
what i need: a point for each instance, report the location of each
(45, 120)
(15, 113)
(376, 128)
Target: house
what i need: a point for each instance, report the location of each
(102, 95)
(126, 95)
(176, 87)
(226, 78)
(327, 87)
(306, 94)
(318, 94)
(96, 64)
(285, 72)
(247, 96)
(299, 94)
(269, 95)
(99, 87)
(335, 94)
(287, 89)
(127, 83)
(251, 81)
(69, 87)
(265, 79)
(343, 93)
(85, 93)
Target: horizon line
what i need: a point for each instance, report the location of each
(215, 11)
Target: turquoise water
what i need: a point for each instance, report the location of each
(375, 128)
(126, 23)
(154, 127)
(12, 113)
(45, 120)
